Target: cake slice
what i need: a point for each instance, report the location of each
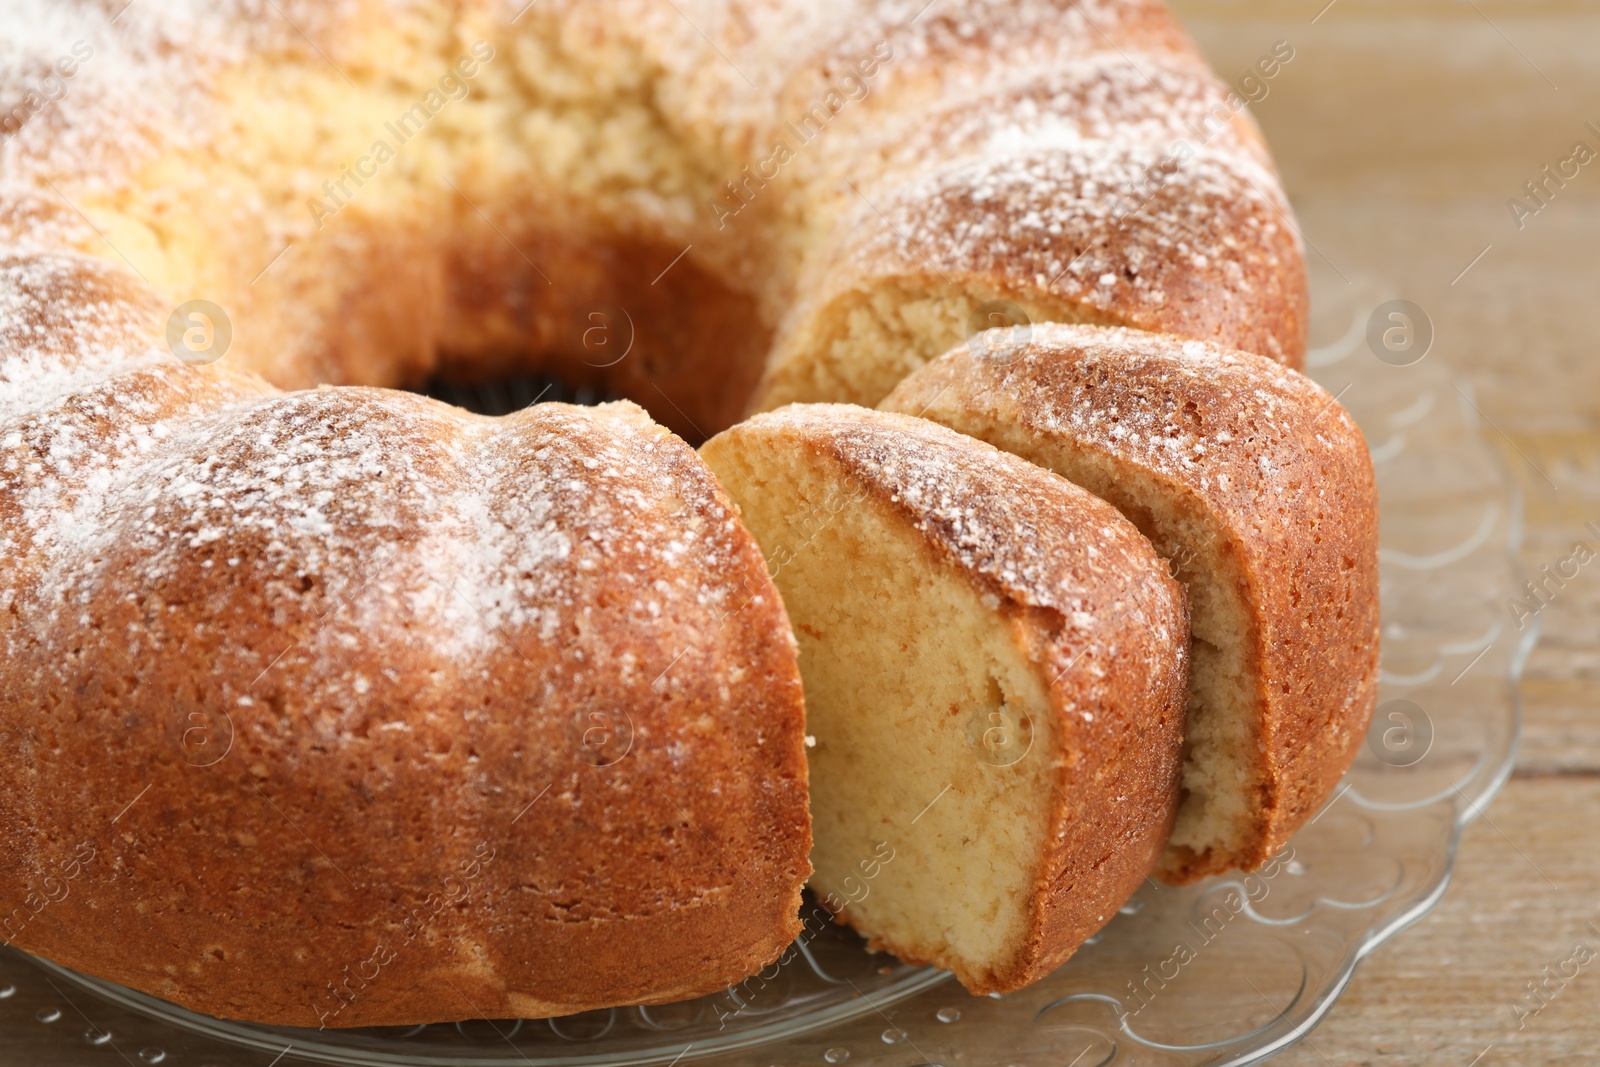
(1257, 486)
(994, 666)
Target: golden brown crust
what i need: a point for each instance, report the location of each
(1207, 254)
(420, 716)
(126, 610)
(1088, 189)
(1090, 604)
(1280, 469)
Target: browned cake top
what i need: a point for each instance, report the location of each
(1036, 539)
(1278, 465)
(494, 524)
(1256, 437)
(397, 625)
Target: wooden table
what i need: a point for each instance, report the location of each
(1402, 130)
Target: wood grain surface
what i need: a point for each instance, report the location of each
(1402, 130)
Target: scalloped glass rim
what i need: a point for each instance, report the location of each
(1435, 472)
(345, 1047)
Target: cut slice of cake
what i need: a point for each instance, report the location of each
(994, 665)
(1257, 486)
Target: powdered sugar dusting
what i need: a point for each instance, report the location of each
(1127, 99)
(1040, 540)
(1067, 218)
(1250, 434)
(102, 87)
(1251, 404)
(65, 322)
(478, 527)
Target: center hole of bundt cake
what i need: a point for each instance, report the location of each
(503, 395)
(604, 318)
(675, 341)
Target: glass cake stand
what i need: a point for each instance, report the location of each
(1224, 972)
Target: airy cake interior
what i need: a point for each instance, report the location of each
(1222, 728)
(865, 341)
(933, 731)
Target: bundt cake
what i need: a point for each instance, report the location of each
(331, 705)
(369, 710)
(995, 668)
(1259, 489)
